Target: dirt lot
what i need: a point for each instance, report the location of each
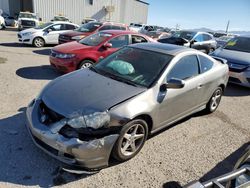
(201, 146)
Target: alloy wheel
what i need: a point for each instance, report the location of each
(132, 140)
(215, 100)
(39, 42)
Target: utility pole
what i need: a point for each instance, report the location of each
(227, 26)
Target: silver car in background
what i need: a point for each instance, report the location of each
(85, 117)
(237, 54)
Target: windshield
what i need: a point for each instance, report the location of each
(95, 39)
(134, 66)
(25, 15)
(184, 34)
(89, 27)
(43, 25)
(239, 44)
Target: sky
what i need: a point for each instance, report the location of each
(192, 14)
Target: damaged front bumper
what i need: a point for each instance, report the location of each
(91, 154)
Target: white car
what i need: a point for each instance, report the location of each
(136, 27)
(2, 22)
(47, 33)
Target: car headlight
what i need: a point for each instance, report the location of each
(65, 56)
(28, 33)
(78, 37)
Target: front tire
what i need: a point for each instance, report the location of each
(85, 64)
(131, 140)
(38, 42)
(214, 101)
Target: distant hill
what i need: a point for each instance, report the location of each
(204, 29)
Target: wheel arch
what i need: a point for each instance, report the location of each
(88, 58)
(148, 119)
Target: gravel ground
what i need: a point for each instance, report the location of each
(201, 146)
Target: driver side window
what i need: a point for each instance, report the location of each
(199, 38)
(55, 27)
(187, 67)
(119, 41)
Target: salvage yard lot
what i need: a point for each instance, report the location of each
(201, 146)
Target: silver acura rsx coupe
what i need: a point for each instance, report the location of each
(85, 117)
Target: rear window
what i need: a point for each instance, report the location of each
(89, 27)
(241, 44)
(205, 63)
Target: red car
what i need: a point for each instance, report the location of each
(89, 29)
(82, 54)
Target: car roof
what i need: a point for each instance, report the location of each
(118, 32)
(62, 22)
(169, 49)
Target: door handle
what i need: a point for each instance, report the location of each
(199, 86)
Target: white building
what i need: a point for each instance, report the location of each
(125, 11)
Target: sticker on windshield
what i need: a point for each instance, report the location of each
(231, 43)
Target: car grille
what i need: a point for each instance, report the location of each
(51, 116)
(235, 67)
(235, 80)
(28, 23)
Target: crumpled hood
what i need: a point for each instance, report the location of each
(233, 56)
(71, 47)
(85, 90)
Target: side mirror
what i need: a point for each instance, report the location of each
(107, 45)
(49, 30)
(100, 58)
(175, 83)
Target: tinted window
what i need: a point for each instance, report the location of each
(184, 34)
(70, 27)
(115, 27)
(106, 27)
(119, 41)
(95, 39)
(206, 37)
(138, 39)
(239, 44)
(205, 63)
(186, 67)
(57, 27)
(199, 38)
(89, 27)
(135, 66)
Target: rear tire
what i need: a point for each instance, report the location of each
(38, 42)
(85, 64)
(131, 140)
(214, 101)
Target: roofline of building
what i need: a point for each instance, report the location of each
(143, 2)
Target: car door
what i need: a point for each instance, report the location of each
(179, 102)
(52, 33)
(117, 42)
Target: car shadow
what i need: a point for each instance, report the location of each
(15, 44)
(233, 90)
(42, 52)
(226, 165)
(22, 162)
(44, 72)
